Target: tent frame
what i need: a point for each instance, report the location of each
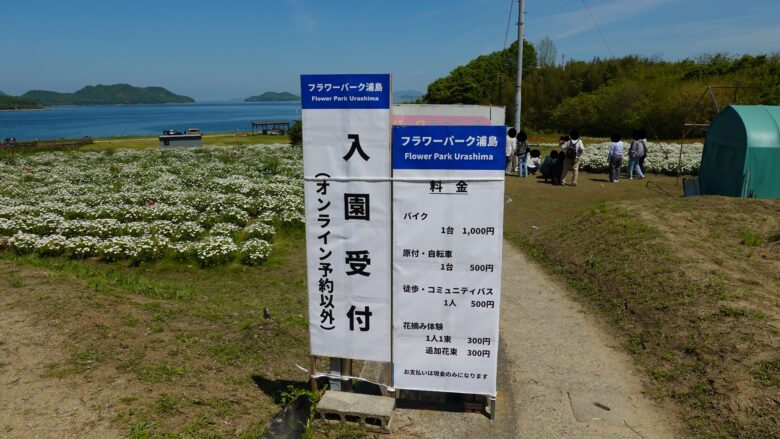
(688, 127)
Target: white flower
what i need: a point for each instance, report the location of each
(255, 251)
(260, 230)
(23, 242)
(51, 245)
(215, 250)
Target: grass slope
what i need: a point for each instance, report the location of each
(183, 351)
(690, 285)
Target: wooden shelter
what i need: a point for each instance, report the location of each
(270, 127)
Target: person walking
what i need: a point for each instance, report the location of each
(615, 158)
(643, 139)
(522, 154)
(511, 145)
(572, 151)
(635, 151)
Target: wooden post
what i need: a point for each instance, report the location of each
(313, 373)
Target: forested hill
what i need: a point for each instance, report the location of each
(271, 96)
(108, 95)
(616, 95)
(14, 103)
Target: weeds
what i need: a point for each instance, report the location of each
(292, 394)
(142, 429)
(768, 373)
(750, 239)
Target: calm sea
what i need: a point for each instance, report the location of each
(137, 120)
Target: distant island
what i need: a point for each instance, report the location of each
(271, 96)
(14, 103)
(107, 95)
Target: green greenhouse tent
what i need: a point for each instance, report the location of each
(741, 155)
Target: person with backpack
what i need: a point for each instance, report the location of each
(643, 139)
(615, 158)
(636, 151)
(572, 152)
(522, 154)
(511, 144)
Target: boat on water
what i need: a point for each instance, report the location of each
(192, 138)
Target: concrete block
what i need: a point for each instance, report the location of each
(373, 411)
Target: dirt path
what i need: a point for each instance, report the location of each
(569, 378)
(560, 374)
(33, 404)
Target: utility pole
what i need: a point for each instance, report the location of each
(519, 91)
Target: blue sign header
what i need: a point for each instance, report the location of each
(449, 147)
(369, 91)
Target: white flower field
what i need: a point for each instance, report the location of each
(210, 205)
(663, 157)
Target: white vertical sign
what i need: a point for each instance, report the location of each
(347, 169)
(448, 205)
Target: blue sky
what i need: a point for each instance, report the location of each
(213, 50)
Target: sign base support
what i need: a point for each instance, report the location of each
(335, 370)
(313, 373)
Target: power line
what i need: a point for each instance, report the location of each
(506, 37)
(508, 20)
(598, 29)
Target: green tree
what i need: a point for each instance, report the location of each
(602, 96)
(486, 80)
(296, 133)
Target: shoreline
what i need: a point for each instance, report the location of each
(24, 109)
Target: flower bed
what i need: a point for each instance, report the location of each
(663, 157)
(209, 205)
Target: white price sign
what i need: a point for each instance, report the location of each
(448, 197)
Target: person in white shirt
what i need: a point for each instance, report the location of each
(511, 145)
(534, 162)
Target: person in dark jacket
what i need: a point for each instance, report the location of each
(522, 154)
(548, 165)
